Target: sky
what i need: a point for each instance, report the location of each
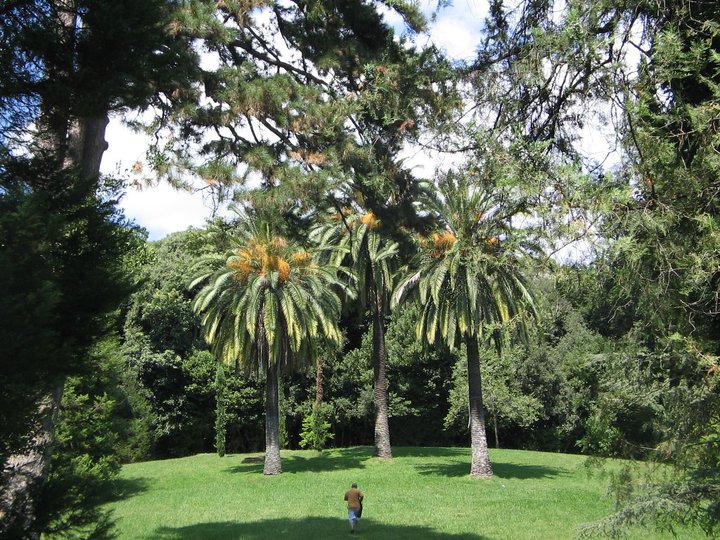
(163, 210)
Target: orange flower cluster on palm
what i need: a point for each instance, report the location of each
(339, 216)
(440, 243)
(261, 259)
(300, 258)
(370, 221)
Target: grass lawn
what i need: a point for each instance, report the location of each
(422, 493)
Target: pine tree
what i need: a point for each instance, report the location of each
(651, 67)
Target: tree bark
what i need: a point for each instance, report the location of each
(273, 464)
(480, 464)
(87, 145)
(25, 473)
(383, 449)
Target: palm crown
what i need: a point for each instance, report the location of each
(372, 256)
(268, 303)
(469, 278)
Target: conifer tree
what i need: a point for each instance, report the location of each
(220, 411)
(66, 65)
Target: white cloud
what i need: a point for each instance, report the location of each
(125, 147)
(160, 209)
(393, 19)
(456, 37)
(456, 29)
(163, 209)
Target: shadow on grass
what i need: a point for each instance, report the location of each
(124, 488)
(429, 451)
(338, 459)
(320, 528)
(516, 470)
(501, 470)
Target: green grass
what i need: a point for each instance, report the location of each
(423, 493)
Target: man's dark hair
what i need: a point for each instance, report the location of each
(354, 485)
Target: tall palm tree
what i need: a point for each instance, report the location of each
(470, 286)
(372, 258)
(264, 309)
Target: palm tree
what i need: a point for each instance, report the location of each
(264, 309)
(470, 286)
(372, 258)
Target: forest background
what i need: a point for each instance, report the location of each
(104, 359)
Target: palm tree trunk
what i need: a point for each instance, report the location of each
(272, 421)
(480, 465)
(382, 427)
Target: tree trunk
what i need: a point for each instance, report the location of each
(272, 421)
(383, 449)
(495, 427)
(480, 465)
(24, 475)
(87, 145)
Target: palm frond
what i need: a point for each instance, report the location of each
(468, 284)
(437, 281)
(406, 284)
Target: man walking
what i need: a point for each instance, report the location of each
(354, 498)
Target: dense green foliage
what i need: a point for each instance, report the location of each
(220, 411)
(169, 377)
(542, 393)
(87, 459)
(315, 432)
(54, 234)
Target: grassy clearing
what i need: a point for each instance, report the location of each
(424, 493)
